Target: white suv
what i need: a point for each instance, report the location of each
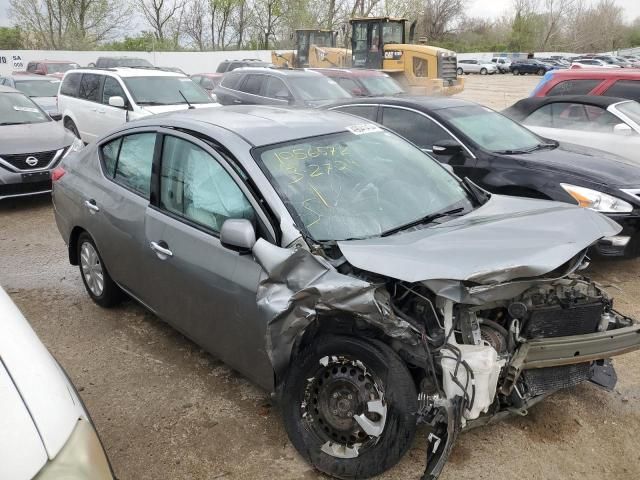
(502, 64)
(93, 101)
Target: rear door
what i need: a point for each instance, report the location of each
(251, 90)
(89, 123)
(205, 290)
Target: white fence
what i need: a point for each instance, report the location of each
(487, 56)
(190, 62)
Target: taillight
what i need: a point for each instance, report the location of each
(57, 173)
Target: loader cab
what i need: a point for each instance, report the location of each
(370, 35)
(305, 38)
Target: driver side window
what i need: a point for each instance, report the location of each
(196, 187)
(415, 127)
(276, 89)
(573, 116)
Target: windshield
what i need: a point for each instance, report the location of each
(38, 88)
(165, 90)
(489, 129)
(631, 110)
(16, 109)
(356, 185)
(392, 32)
(381, 85)
(61, 67)
(317, 88)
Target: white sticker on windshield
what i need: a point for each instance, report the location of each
(184, 79)
(364, 128)
(54, 81)
(25, 109)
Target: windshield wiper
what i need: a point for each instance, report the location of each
(421, 221)
(520, 151)
(153, 103)
(542, 146)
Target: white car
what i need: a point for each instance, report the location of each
(94, 101)
(476, 66)
(502, 64)
(45, 431)
(592, 63)
(604, 123)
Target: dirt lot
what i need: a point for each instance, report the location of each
(167, 410)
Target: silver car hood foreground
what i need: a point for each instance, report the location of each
(505, 239)
(34, 137)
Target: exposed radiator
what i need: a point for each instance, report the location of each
(555, 321)
(544, 380)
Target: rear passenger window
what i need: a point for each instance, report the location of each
(90, 87)
(110, 156)
(629, 89)
(133, 166)
(573, 87)
(70, 84)
(234, 65)
(416, 128)
(349, 85)
(253, 84)
(276, 89)
(230, 80)
(195, 186)
(222, 67)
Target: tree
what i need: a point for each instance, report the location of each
(160, 14)
(10, 38)
(439, 17)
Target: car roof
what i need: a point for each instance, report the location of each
(282, 72)
(52, 61)
(351, 72)
(130, 71)
(261, 125)
(415, 102)
(524, 107)
(598, 73)
(214, 75)
(43, 78)
(4, 89)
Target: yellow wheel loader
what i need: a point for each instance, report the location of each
(315, 49)
(379, 43)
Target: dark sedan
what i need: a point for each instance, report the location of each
(504, 157)
(31, 145)
(530, 65)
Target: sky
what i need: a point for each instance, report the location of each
(477, 8)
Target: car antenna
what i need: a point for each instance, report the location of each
(185, 99)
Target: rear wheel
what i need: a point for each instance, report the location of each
(349, 406)
(460, 71)
(516, 71)
(97, 281)
(541, 71)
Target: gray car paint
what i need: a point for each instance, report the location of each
(203, 278)
(34, 137)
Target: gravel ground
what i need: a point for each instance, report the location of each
(167, 410)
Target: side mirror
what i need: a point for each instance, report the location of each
(447, 147)
(56, 117)
(238, 234)
(622, 129)
(116, 101)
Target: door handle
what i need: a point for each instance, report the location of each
(161, 251)
(91, 205)
(235, 100)
(102, 111)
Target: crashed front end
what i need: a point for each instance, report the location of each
(514, 322)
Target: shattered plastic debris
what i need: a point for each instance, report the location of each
(300, 286)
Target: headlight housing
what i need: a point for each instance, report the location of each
(76, 146)
(82, 457)
(598, 201)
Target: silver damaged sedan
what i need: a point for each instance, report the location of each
(340, 267)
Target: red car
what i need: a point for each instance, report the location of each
(622, 83)
(208, 81)
(362, 83)
(53, 68)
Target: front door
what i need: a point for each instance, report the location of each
(111, 117)
(204, 289)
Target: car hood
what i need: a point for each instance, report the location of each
(505, 239)
(595, 166)
(49, 399)
(48, 104)
(34, 137)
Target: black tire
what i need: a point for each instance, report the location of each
(110, 294)
(483, 71)
(309, 433)
(516, 71)
(459, 71)
(69, 125)
(541, 71)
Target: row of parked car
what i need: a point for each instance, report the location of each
(354, 256)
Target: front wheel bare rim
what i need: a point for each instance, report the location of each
(92, 269)
(344, 406)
